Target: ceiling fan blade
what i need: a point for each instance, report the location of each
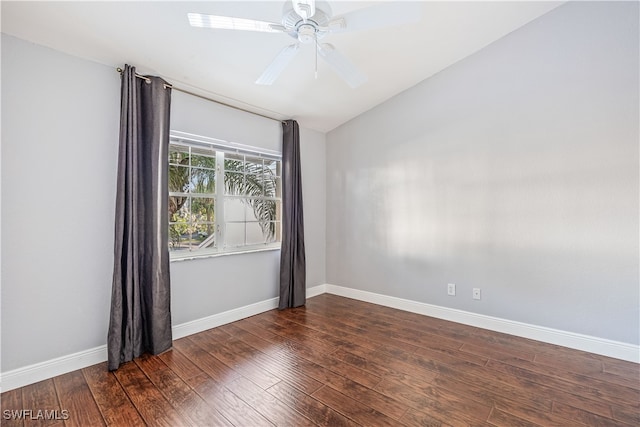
(230, 23)
(304, 8)
(341, 65)
(271, 73)
(377, 16)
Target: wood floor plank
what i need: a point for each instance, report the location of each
(267, 405)
(236, 410)
(327, 326)
(390, 368)
(342, 362)
(461, 381)
(308, 368)
(588, 390)
(279, 367)
(365, 395)
(325, 360)
(595, 380)
(357, 375)
(41, 396)
(583, 416)
(417, 418)
(504, 419)
(12, 401)
(205, 361)
(523, 386)
(182, 397)
(573, 363)
(496, 353)
(240, 361)
(437, 399)
(150, 403)
(302, 335)
(622, 368)
(313, 409)
(532, 414)
(271, 363)
(180, 364)
(626, 414)
(113, 402)
(75, 397)
(351, 408)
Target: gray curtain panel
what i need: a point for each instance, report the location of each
(140, 301)
(293, 291)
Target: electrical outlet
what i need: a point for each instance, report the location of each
(476, 293)
(451, 289)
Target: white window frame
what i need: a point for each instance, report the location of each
(221, 147)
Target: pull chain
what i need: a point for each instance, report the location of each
(316, 39)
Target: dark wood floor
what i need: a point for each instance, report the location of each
(341, 362)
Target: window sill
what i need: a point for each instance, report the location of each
(220, 254)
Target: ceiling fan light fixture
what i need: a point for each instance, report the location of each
(306, 33)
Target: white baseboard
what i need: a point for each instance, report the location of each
(51, 368)
(615, 349)
(316, 290)
(219, 319)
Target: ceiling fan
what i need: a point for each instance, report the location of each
(308, 21)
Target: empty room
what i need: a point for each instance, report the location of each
(320, 213)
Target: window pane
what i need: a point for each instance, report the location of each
(203, 180)
(179, 208)
(272, 186)
(278, 216)
(264, 213)
(262, 210)
(274, 232)
(202, 209)
(253, 165)
(179, 179)
(234, 209)
(203, 158)
(204, 236)
(253, 185)
(271, 167)
(178, 155)
(234, 183)
(234, 234)
(179, 237)
(254, 234)
(233, 162)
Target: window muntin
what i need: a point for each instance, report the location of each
(222, 200)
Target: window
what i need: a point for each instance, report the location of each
(222, 197)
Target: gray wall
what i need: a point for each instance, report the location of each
(60, 118)
(514, 170)
(59, 151)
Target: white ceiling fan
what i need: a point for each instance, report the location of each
(309, 21)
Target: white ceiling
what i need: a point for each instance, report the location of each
(157, 39)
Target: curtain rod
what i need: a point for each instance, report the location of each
(167, 85)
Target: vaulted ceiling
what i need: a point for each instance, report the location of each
(156, 38)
